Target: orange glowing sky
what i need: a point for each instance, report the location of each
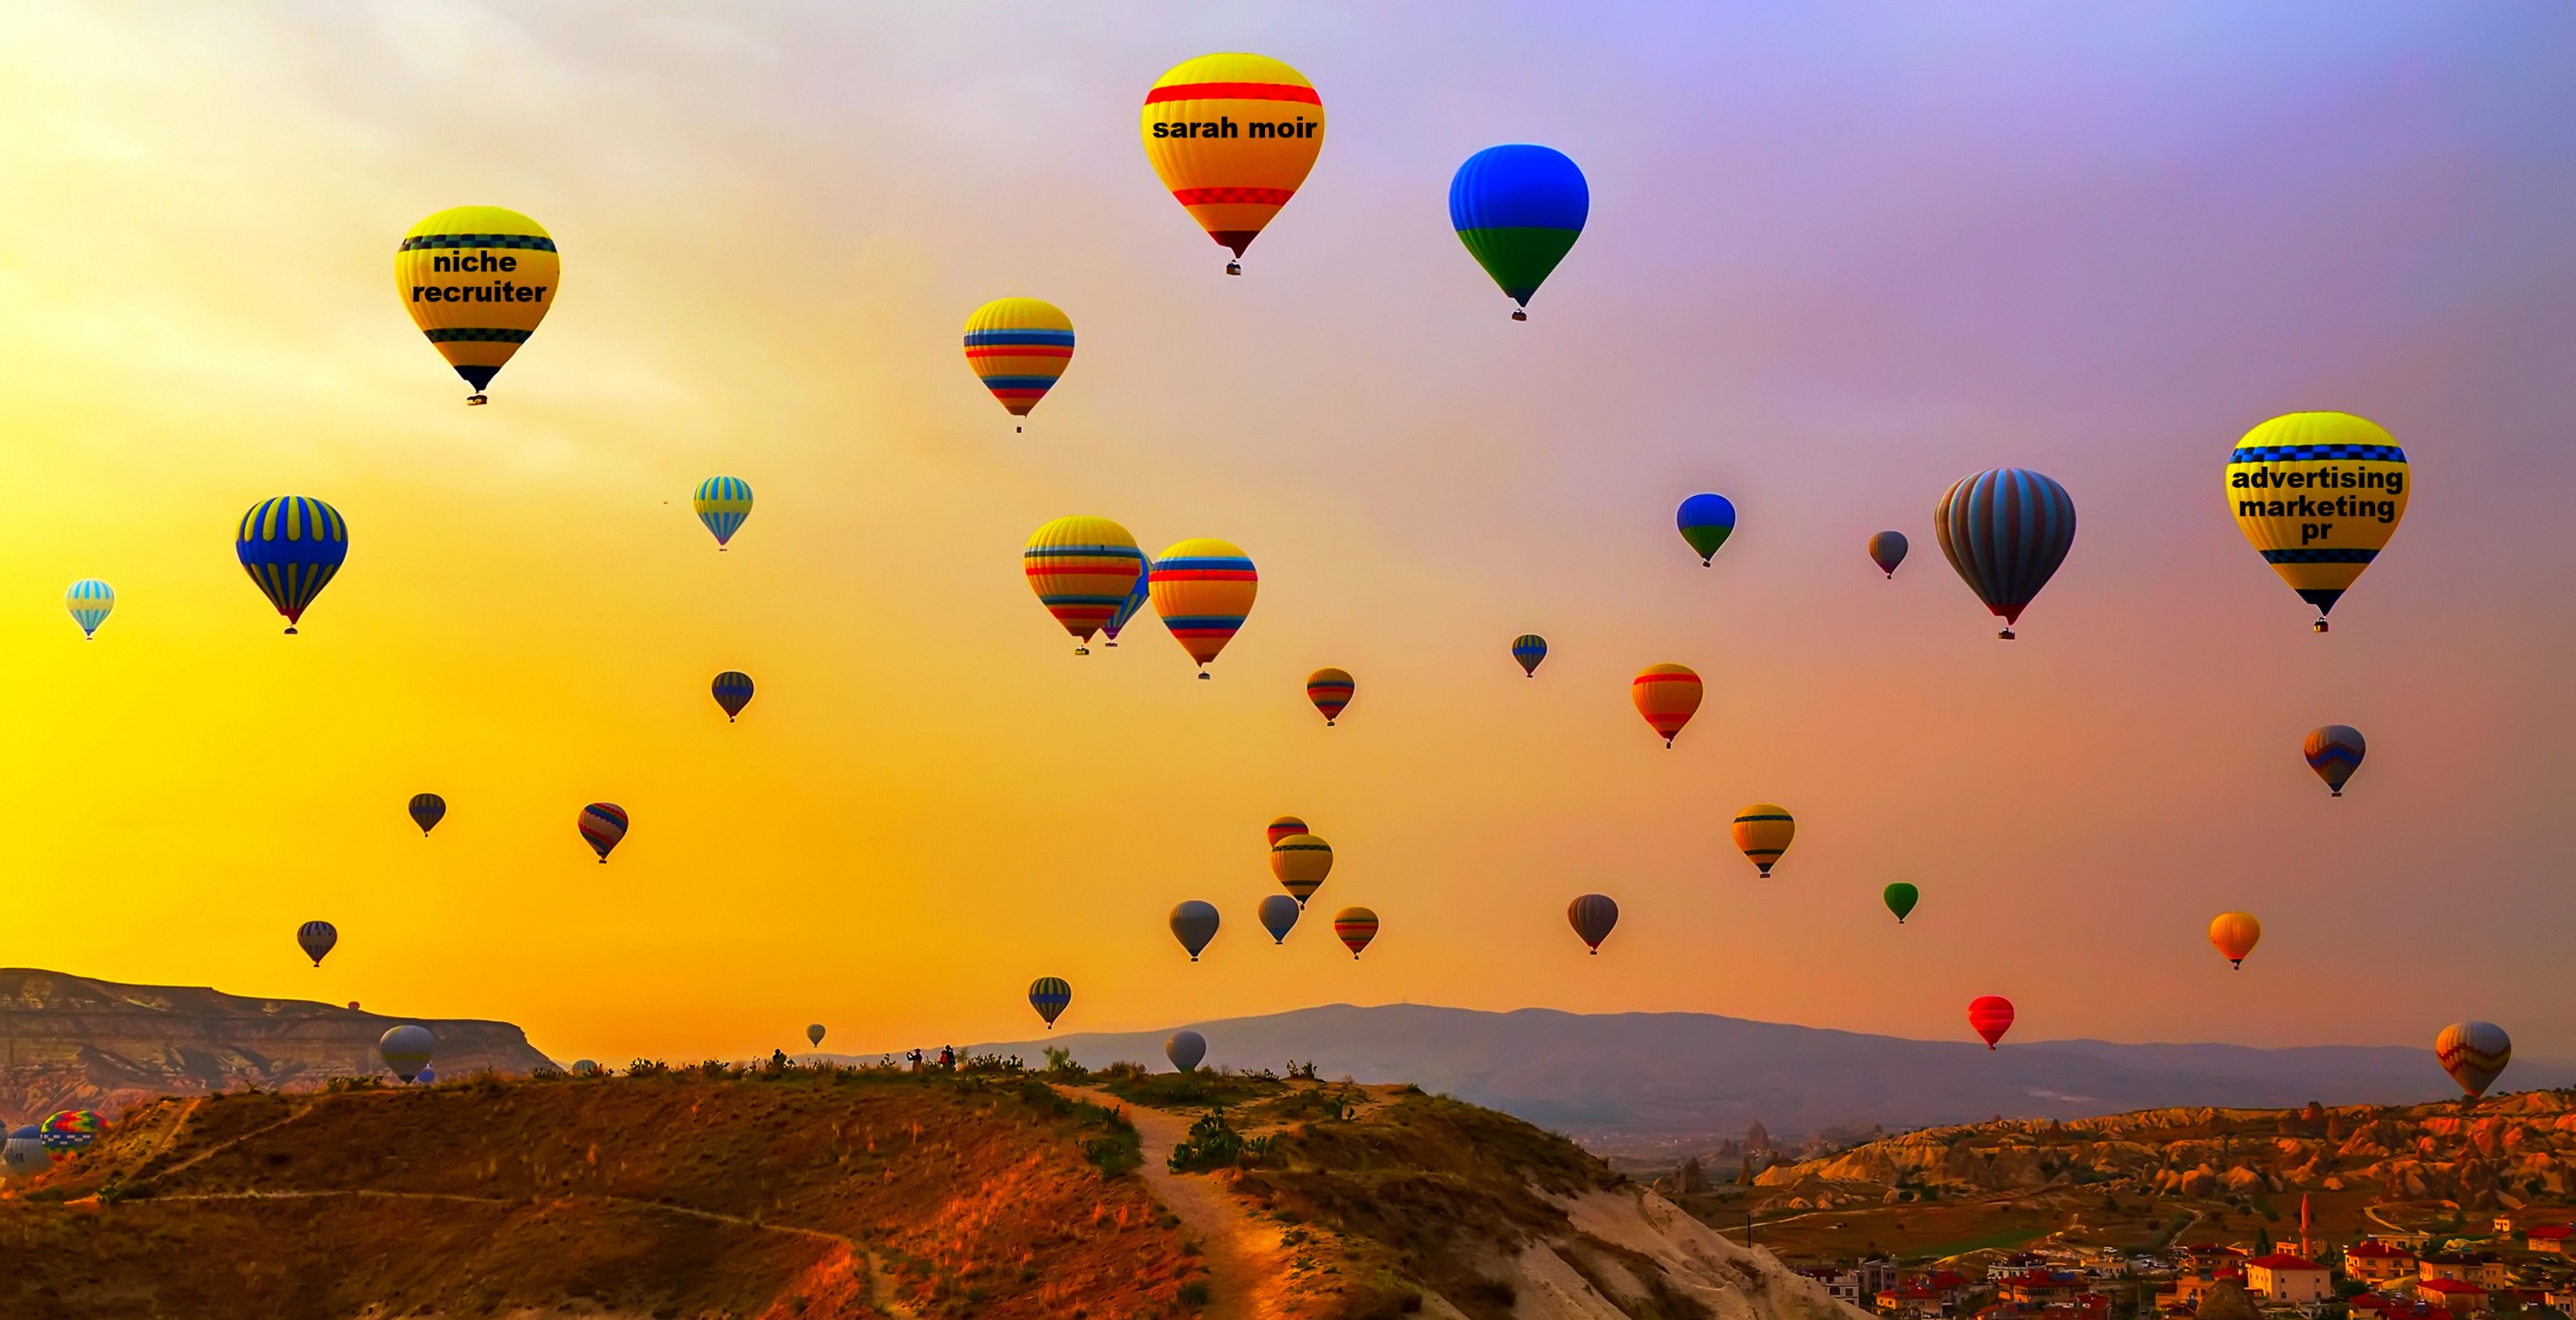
(1837, 258)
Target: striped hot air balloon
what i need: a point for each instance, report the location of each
(1990, 1016)
(1887, 550)
(1283, 827)
(724, 505)
(602, 825)
(89, 601)
(1763, 831)
(1050, 996)
(1137, 595)
(732, 690)
(1592, 916)
(1529, 649)
(2474, 1054)
(1018, 348)
(1301, 861)
(2334, 752)
(1331, 691)
(1355, 927)
(1233, 136)
(1519, 208)
(2318, 494)
(292, 546)
(477, 280)
(1203, 589)
(1082, 569)
(2005, 530)
(427, 809)
(1667, 695)
(317, 938)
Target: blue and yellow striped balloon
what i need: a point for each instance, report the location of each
(291, 546)
(1050, 996)
(89, 600)
(1204, 589)
(1019, 348)
(1083, 569)
(723, 504)
(1529, 649)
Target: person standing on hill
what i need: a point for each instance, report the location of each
(777, 1059)
(948, 1057)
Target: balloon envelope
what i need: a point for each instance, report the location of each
(1519, 208)
(1887, 550)
(1592, 916)
(1900, 899)
(1667, 695)
(602, 825)
(477, 280)
(1331, 691)
(23, 1154)
(1279, 916)
(1355, 927)
(427, 809)
(1706, 521)
(406, 1050)
(723, 505)
(2334, 752)
(2005, 531)
(2318, 494)
(1300, 862)
(1991, 1016)
(2235, 935)
(1135, 600)
(732, 690)
(1283, 827)
(1232, 136)
(2474, 1054)
(1185, 1049)
(316, 938)
(1203, 589)
(1051, 995)
(1019, 347)
(1529, 649)
(292, 546)
(1194, 924)
(814, 1033)
(1763, 831)
(1082, 569)
(89, 601)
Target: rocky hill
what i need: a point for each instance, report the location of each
(824, 1193)
(70, 1041)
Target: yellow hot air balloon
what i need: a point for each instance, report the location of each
(477, 280)
(2235, 934)
(1763, 831)
(1203, 588)
(1233, 136)
(1301, 861)
(1081, 568)
(1018, 347)
(2318, 494)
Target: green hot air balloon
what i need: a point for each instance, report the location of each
(1900, 899)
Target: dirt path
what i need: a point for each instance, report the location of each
(1247, 1263)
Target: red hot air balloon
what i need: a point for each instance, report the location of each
(1331, 691)
(1992, 1016)
(1283, 827)
(602, 825)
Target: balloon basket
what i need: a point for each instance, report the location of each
(1112, 644)
(2318, 626)
(2005, 635)
(477, 399)
(290, 630)
(1234, 268)
(1520, 315)
(1203, 675)
(1082, 650)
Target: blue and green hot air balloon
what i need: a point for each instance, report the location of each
(1706, 521)
(1519, 208)
(291, 546)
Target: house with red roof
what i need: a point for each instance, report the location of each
(2375, 1262)
(2377, 1306)
(2548, 1237)
(2288, 1280)
(2458, 1296)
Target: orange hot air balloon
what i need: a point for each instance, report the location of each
(2235, 934)
(1667, 695)
(1081, 568)
(1763, 831)
(1233, 136)
(1355, 927)
(1992, 1016)
(1203, 588)
(1283, 827)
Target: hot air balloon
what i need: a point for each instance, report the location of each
(1233, 136)
(316, 938)
(2474, 1054)
(1763, 831)
(1529, 649)
(1018, 347)
(1204, 589)
(1051, 995)
(406, 1050)
(1666, 695)
(2318, 494)
(732, 690)
(602, 825)
(23, 1154)
(477, 280)
(1082, 569)
(723, 505)
(68, 1132)
(1283, 827)
(1887, 550)
(1592, 916)
(1706, 521)
(2235, 934)
(1135, 600)
(1185, 1049)
(1301, 861)
(1194, 924)
(1279, 916)
(2334, 752)
(291, 546)
(89, 601)
(427, 809)
(2005, 530)
(1900, 899)
(1992, 1016)
(814, 1035)
(585, 1068)
(1355, 927)
(427, 1076)
(1519, 208)
(1330, 690)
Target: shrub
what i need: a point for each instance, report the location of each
(1212, 1144)
(1305, 1070)
(716, 1069)
(1194, 1294)
(648, 1068)
(1059, 1063)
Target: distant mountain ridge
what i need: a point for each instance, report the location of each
(1639, 1079)
(76, 1042)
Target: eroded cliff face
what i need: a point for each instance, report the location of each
(73, 1042)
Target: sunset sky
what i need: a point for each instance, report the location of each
(1839, 255)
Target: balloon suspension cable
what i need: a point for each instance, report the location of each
(477, 399)
(1519, 315)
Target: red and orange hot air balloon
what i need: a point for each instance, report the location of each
(1233, 136)
(1991, 1016)
(1355, 927)
(1331, 690)
(1667, 695)
(1082, 568)
(1203, 589)
(2235, 934)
